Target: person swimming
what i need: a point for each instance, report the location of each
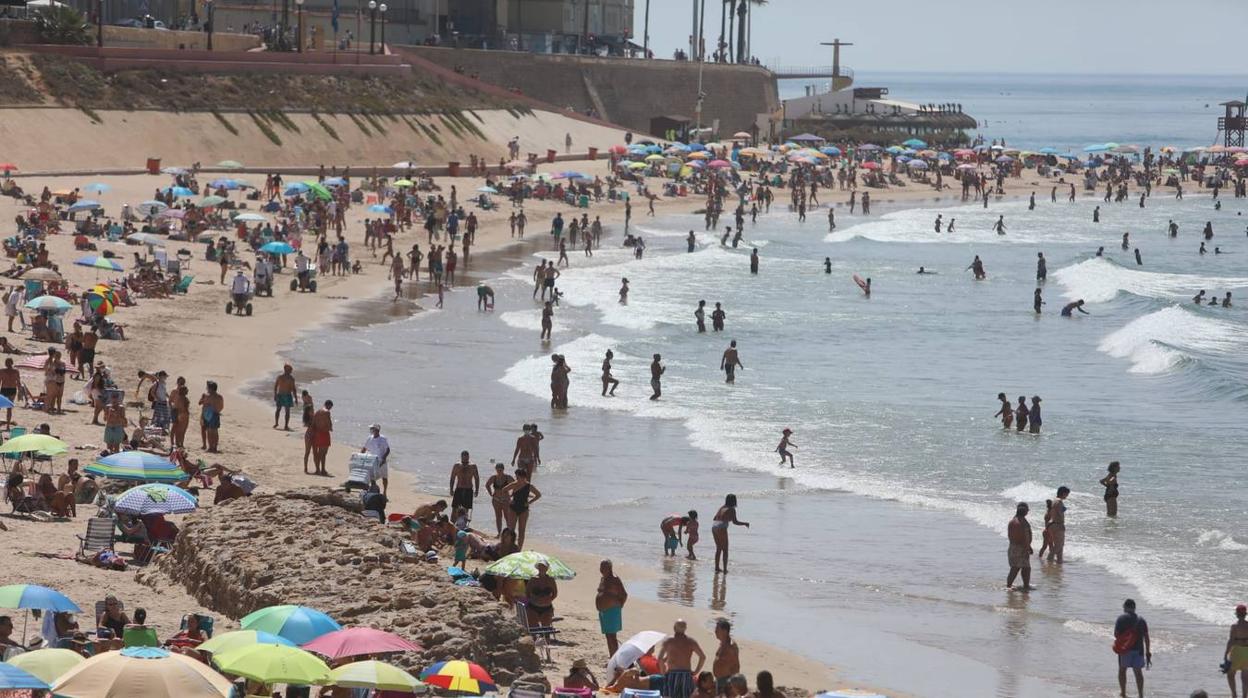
(923, 270)
(1071, 307)
(1199, 297)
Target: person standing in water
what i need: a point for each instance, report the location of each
(1042, 268)
(1057, 525)
(1110, 483)
(1006, 413)
(1133, 647)
(717, 318)
(1126, 241)
(977, 267)
(548, 320)
(1021, 413)
(731, 362)
(1034, 415)
(999, 226)
(754, 261)
(1019, 552)
(656, 377)
(726, 515)
(607, 378)
(1037, 301)
(938, 222)
(827, 265)
(699, 316)
(785, 445)
(624, 291)
(1138, 261)
(691, 241)
(1096, 214)
(831, 219)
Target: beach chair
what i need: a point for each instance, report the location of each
(543, 635)
(205, 624)
(184, 285)
(362, 471)
(527, 690)
(140, 637)
(99, 536)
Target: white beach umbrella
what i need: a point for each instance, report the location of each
(632, 650)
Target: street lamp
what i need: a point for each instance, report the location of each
(299, 16)
(382, 8)
(208, 5)
(372, 26)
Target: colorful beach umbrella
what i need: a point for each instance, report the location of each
(238, 639)
(34, 443)
(378, 676)
(99, 304)
(48, 303)
(33, 596)
(98, 262)
(150, 672)
(458, 675)
(299, 624)
(48, 664)
(277, 247)
(137, 465)
(353, 642)
(274, 664)
(523, 565)
(156, 498)
(13, 678)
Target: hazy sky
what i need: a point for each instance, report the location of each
(1060, 36)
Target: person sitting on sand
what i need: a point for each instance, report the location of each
(580, 676)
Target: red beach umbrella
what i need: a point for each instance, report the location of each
(353, 642)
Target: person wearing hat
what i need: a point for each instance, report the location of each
(785, 445)
(580, 676)
(379, 446)
(1236, 656)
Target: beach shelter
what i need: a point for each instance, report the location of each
(378, 676)
(807, 138)
(150, 672)
(49, 664)
(180, 192)
(353, 642)
(13, 678)
(274, 664)
(137, 465)
(85, 205)
(633, 648)
(251, 218)
(212, 201)
(523, 565)
(299, 624)
(146, 238)
(461, 676)
(41, 274)
(33, 596)
(98, 262)
(156, 498)
(238, 639)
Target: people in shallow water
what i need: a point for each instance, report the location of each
(1226, 300)
(1072, 307)
(1199, 297)
(923, 270)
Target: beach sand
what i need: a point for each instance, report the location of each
(191, 336)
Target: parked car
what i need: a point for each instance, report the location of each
(141, 23)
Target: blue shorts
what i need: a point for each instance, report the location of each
(671, 544)
(114, 435)
(611, 621)
(1131, 660)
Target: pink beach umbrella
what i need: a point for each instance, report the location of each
(719, 164)
(354, 642)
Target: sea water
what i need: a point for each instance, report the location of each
(883, 551)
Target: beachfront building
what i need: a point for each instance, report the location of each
(869, 113)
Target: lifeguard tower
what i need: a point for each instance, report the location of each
(1232, 124)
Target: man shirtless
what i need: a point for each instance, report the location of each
(676, 658)
(727, 656)
(115, 423)
(731, 362)
(465, 483)
(284, 392)
(1019, 554)
(10, 385)
(322, 436)
(527, 455)
(1237, 651)
(86, 355)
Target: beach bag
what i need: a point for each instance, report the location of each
(1125, 642)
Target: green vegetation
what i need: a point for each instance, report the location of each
(225, 122)
(62, 24)
(15, 85)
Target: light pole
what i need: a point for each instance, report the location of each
(382, 8)
(645, 33)
(208, 5)
(372, 26)
(299, 31)
(99, 24)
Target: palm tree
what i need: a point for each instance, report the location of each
(61, 24)
(749, 41)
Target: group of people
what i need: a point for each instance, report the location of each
(1021, 418)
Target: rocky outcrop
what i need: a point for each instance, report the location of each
(302, 548)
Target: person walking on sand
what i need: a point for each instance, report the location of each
(656, 377)
(284, 391)
(785, 445)
(677, 657)
(498, 499)
(727, 514)
(731, 362)
(607, 378)
(1057, 525)
(522, 494)
(379, 446)
(1019, 552)
(1236, 655)
(1133, 647)
(610, 601)
(212, 403)
(322, 431)
(1110, 483)
(465, 483)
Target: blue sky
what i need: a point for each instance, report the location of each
(1031, 36)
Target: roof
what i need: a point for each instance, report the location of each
(1233, 103)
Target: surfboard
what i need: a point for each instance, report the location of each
(861, 283)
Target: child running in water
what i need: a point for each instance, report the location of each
(1047, 536)
(783, 448)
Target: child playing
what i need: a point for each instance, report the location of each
(461, 549)
(783, 448)
(691, 529)
(1047, 536)
(673, 529)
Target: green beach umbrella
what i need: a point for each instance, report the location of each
(211, 201)
(48, 664)
(238, 639)
(274, 664)
(35, 443)
(523, 565)
(378, 676)
(319, 190)
(299, 624)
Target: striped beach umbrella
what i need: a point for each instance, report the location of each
(98, 262)
(33, 596)
(137, 465)
(150, 672)
(48, 664)
(156, 498)
(458, 675)
(523, 565)
(299, 624)
(378, 676)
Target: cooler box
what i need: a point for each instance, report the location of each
(362, 471)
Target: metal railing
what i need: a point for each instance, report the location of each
(816, 71)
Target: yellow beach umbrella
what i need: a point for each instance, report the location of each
(376, 675)
(403, 183)
(274, 664)
(26, 443)
(150, 672)
(48, 664)
(699, 155)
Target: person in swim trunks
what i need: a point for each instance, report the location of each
(527, 455)
(10, 383)
(212, 403)
(610, 601)
(677, 656)
(115, 424)
(322, 436)
(1236, 654)
(284, 391)
(465, 483)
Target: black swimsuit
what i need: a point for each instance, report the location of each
(520, 499)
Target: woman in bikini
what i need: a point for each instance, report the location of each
(523, 494)
(1006, 413)
(1110, 483)
(727, 514)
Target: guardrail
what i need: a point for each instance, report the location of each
(816, 71)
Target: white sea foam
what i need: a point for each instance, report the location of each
(1099, 280)
(1213, 538)
(1162, 340)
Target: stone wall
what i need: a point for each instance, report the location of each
(628, 92)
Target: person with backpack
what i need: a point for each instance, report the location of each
(1133, 647)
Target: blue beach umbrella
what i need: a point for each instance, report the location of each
(136, 465)
(830, 150)
(335, 182)
(380, 208)
(182, 192)
(697, 147)
(914, 143)
(33, 596)
(896, 149)
(98, 187)
(917, 164)
(156, 498)
(1095, 148)
(277, 247)
(85, 205)
(299, 624)
(49, 303)
(98, 262)
(226, 183)
(14, 679)
(5, 403)
(1048, 150)
(296, 188)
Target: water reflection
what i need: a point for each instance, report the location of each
(679, 582)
